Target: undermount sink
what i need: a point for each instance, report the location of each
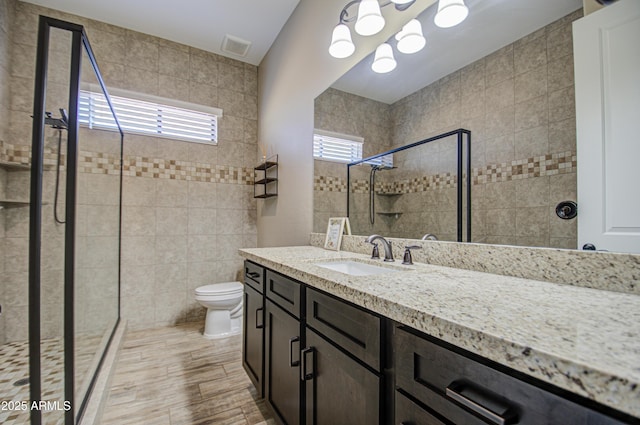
(355, 268)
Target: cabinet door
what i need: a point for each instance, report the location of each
(339, 390)
(282, 363)
(253, 337)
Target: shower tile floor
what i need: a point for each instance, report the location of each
(14, 364)
(14, 359)
(174, 376)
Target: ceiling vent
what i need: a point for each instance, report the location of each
(235, 46)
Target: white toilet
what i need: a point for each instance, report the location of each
(224, 308)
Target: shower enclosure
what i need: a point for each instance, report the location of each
(74, 230)
(420, 189)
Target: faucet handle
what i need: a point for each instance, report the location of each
(375, 254)
(407, 260)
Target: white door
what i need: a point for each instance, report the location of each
(607, 82)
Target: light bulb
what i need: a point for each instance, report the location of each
(341, 44)
(383, 61)
(401, 1)
(410, 39)
(450, 13)
(370, 20)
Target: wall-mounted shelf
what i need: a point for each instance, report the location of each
(265, 179)
(10, 203)
(390, 214)
(14, 166)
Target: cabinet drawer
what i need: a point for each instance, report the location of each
(352, 328)
(284, 291)
(254, 276)
(455, 385)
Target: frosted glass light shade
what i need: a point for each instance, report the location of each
(401, 1)
(383, 61)
(450, 13)
(341, 44)
(410, 39)
(370, 20)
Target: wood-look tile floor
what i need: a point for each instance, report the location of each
(174, 376)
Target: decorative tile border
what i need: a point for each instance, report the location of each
(137, 166)
(539, 166)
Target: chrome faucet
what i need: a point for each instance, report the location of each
(388, 254)
(429, 237)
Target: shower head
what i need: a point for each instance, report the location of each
(381, 167)
(61, 123)
(64, 116)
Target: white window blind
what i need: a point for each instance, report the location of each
(150, 116)
(330, 146)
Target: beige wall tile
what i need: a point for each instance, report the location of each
(531, 84)
(171, 221)
(204, 248)
(532, 142)
(171, 249)
(141, 80)
(172, 193)
(561, 73)
(173, 61)
(499, 66)
(138, 221)
(562, 136)
(531, 54)
(533, 192)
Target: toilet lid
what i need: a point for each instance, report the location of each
(220, 288)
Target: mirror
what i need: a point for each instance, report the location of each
(515, 95)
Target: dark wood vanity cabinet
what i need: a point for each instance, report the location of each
(326, 361)
(284, 337)
(253, 325)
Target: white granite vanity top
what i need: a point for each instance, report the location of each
(584, 340)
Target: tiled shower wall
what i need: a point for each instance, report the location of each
(187, 207)
(519, 104)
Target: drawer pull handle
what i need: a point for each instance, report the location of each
(462, 393)
(304, 376)
(259, 325)
(253, 275)
(291, 362)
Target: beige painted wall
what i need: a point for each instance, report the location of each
(296, 70)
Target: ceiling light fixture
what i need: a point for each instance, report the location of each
(410, 38)
(450, 13)
(369, 21)
(341, 44)
(384, 61)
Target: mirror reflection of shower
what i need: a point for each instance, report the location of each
(59, 124)
(372, 184)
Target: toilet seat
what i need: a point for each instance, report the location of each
(226, 288)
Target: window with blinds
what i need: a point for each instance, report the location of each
(335, 147)
(150, 117)
(329, 146)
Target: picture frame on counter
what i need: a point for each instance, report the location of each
(336, 227)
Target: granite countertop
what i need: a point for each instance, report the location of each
(583, 340)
